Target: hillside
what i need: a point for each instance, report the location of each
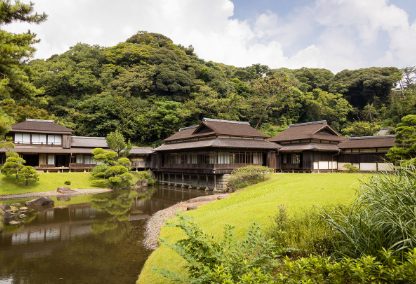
(148, 87)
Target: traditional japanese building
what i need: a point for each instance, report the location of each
(204, 155)
(316, 147)
(48, 146)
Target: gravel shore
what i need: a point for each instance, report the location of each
(155, 223)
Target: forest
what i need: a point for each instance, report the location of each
(147, 87)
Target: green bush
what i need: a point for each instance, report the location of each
(366, 269)
(258, 259)
(67, 182)
(383, 216)
(302, 234)
(145, 175)
(28, 175)
(227, 261)
(248, 175)
(351, 168)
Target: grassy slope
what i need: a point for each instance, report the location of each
(257, 203)
(47, 181)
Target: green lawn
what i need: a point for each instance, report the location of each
(258, 203)
(47, 182)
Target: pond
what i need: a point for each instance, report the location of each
(95, 242)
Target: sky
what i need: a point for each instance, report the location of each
(332, 34)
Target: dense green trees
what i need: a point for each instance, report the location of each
(147, 87)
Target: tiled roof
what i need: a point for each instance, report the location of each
(368, 142)
(88, 142)
(40, 126)
(216, 127)
(220, 143)
(141, 150)
(308, 130)
(309, 147)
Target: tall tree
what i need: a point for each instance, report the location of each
(16, 49)
(405, 148)
(118, 144)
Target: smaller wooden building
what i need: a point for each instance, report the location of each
(316, 147)
(307, 147)
(204, 155)
(48, 146)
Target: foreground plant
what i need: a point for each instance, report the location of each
(383, 216)
(225, 261)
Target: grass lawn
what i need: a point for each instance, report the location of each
(47, 182)
(257, 203)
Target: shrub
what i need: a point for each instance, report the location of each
(302, 234)
(113, 171)
(366, 269)
(145, 175)
(383, 216)
(245, 176)
(67, 182)
(14, 163)
(351, 168)
(227, 261)
(28, 175)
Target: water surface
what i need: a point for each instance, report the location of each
(95, 242)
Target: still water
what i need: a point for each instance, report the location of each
(95, 242)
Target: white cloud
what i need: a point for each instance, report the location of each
(334, 34)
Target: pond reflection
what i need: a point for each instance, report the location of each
(95, 242)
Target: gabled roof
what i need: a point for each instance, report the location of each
(216, 127)
(233, 143)
(368, 142)
(40, 126)
(316, 129)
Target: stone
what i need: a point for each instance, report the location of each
(63, 198)
(65, 190)
(40, 202)
(23, 209)
(191, 207)
(22, 216)
(4, 207)
(14, 223)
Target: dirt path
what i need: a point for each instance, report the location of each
(55, 193)
(155, 223)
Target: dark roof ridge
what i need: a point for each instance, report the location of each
(188, 127)
(309, 123)
(40, 120)
(225, 121)
(371, 137)
(90, 137)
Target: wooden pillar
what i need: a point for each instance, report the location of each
(215, 182)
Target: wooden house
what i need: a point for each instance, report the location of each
(204, 155)
(48, 146)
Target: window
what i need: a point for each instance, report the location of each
(89, 160)
(22, 138)
(54, 139)
(38, 139)
(295, 159)
(79, 159)
(257, 158)
(51, 159)
(223, 158)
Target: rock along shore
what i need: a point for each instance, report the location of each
(156, 222)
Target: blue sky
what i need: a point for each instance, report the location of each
(249, 9)
(333, 34)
